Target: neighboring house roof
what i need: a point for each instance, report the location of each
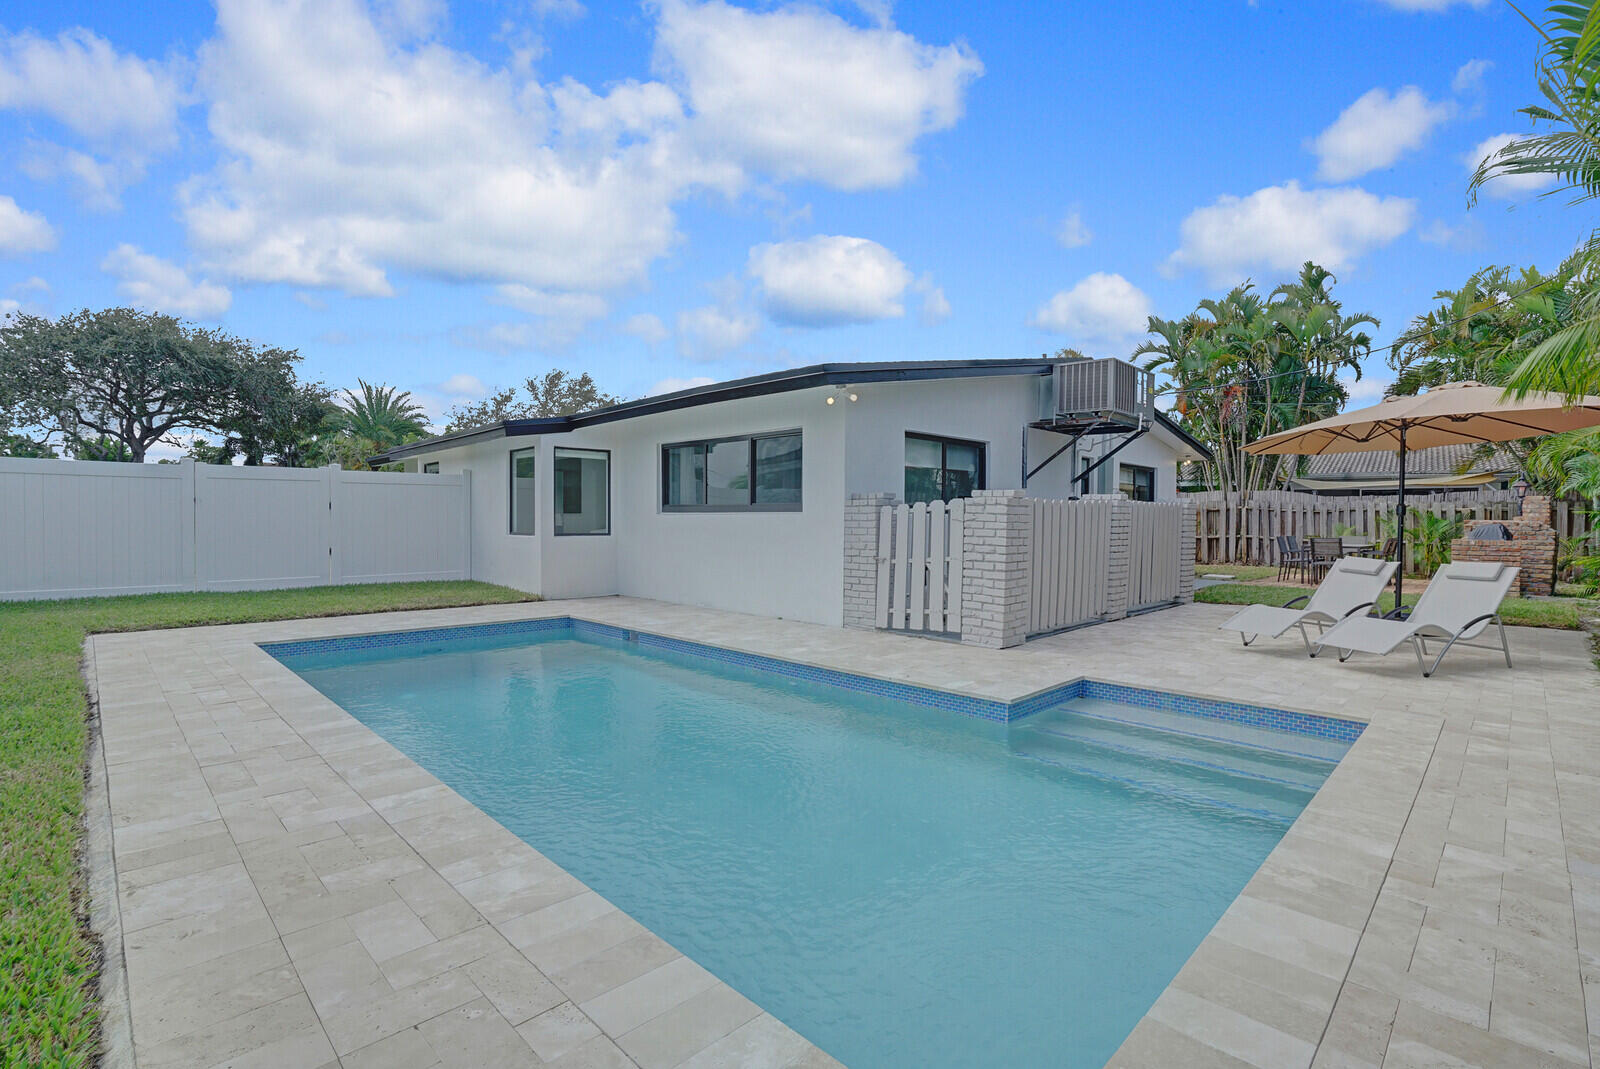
(804, 378)
(1444, 465)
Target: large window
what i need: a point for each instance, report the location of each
(1138, 483)
(522, 501)
(942, 469)
(749, 472)
(583, 491)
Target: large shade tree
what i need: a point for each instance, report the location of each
(555, 393)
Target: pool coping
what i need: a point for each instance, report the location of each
(1346, 844)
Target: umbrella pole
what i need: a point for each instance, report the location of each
(1400, 524)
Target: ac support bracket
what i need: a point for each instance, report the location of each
(1083, 476)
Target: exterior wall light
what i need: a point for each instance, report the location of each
(1520, 488)
(854, 397)
(829, 399)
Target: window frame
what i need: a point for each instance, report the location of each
(945, 441)
(431, 468)
(511, 492)
(750, 440)
(556, 449)
(1137, 469)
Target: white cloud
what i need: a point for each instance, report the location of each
(1375, 131)
(463, 385)
(707, 332)
(350, 151)
(674, 385)
(1469, 76)
(497, 337)
(1102, 307)
(1469, 235)
(1072, 234)
(1507, 185)
(563, 316)
(799, 93)
(829, 280)
(1365, 390)
(935, 307)
(163, 286)
(646, 327)
(125, 108)
(1280, 227)
(23, 231)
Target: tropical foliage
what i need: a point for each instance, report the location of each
(1244, 366)
(375, 419)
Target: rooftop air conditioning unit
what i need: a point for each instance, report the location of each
(1108, 390)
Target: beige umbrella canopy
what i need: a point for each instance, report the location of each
(1451, 414)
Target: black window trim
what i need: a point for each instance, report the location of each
(945, 441)
(753, 505)
(1144, 468)
(511, 493)
(431, 468)
(580, 534)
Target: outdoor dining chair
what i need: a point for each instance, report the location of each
(1323, 553)
(1292, 557)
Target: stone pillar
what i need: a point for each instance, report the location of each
(1119, 557)
(861, 558)
(1186, 529)
(996, 562)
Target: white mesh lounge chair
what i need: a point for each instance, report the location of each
(1352, 584)
(1461, 601)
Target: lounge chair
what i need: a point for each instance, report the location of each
(1352, 584)
(1461, 601)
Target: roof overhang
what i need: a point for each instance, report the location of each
(1418, 482)
(805, 378)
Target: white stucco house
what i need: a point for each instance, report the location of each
(733, 495)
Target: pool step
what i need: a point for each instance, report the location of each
(1201, 770)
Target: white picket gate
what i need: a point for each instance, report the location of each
(1153, 553)
(919, 567)
(1071, 548)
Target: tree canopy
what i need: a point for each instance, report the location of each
(555, 393)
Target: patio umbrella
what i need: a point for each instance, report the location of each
(1446, 415)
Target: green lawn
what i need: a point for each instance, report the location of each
(1241, 572)
(1563, 613)
(47, 963)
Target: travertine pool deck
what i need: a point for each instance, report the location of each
(287, 889)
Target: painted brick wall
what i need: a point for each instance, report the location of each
(861, 558)
(996, 569)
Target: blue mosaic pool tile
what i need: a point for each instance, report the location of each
(983, 708)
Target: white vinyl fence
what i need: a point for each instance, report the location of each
(80, 528)
(1153, 533)
(919, 567)
(1071, 551)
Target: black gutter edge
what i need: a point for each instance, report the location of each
(1182, 435)
(804, 378)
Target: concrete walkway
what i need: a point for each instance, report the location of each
(289, 889)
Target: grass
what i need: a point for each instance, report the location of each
(1241, 572)
(1563, 613)
(47, 960)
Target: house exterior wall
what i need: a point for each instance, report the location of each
(778, 563)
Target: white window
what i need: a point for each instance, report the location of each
(522, 500)
(582, 491)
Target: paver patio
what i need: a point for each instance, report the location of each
(286, 888)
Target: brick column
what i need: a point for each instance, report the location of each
(861, 558)
(996, 562)
(1119, 557)
(1532, 547)
(1186, 528)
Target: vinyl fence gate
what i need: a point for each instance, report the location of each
(919, 567)
(1071, 554)
(1153, 534)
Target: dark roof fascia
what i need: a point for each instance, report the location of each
(804, 378)
(1182, 435)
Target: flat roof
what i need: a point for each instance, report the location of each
(803, 378)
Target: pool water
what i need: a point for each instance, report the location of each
(901, 885)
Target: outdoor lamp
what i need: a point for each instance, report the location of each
(1520, 487)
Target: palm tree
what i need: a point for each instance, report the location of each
(1567, 147)
(379, 418)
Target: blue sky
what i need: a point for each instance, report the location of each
(449, 198)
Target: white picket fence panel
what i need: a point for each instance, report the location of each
(87, 528)
(919, 567)
(1071, 548)
(1153, 534)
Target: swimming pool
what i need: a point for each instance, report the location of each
(900, 883)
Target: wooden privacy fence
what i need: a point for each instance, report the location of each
(1153, 553)
(72, 528)
(919, 566)
(1225, 533)
(1070, 559)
